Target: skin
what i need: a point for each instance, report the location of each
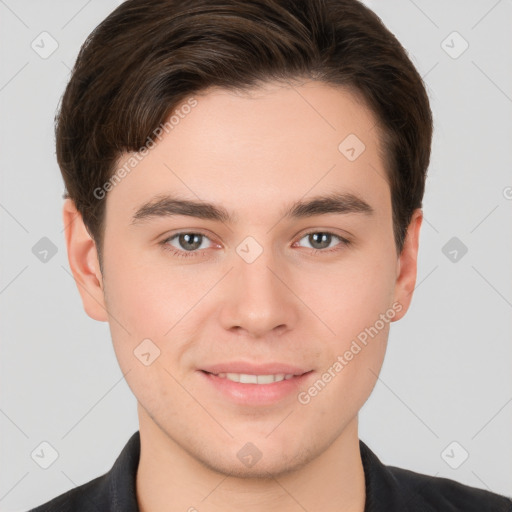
(254, 154)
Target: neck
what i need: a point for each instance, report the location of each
(170, 479)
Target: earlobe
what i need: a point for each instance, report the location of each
(84, 263)
(407, 265)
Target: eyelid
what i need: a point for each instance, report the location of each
(189, 231)
(330, 231)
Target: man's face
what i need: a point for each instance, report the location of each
(264, 292)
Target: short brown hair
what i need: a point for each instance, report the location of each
(149, 55)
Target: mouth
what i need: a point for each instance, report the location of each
(248, 378)
(256, 388)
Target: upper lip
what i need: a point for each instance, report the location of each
(254, 369)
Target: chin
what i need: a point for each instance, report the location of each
(265, 464)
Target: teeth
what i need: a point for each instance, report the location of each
(245, 378)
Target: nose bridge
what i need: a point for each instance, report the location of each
(257, 300)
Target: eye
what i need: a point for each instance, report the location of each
(323, 241)
(186, 243)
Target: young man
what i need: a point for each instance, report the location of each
(244, 184)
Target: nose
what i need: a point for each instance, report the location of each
(258, 297)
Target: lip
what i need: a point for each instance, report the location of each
(254, 369)
(253, 395)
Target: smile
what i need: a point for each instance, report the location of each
(246, 378)
(256, 389)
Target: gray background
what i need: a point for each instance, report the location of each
(447, 374)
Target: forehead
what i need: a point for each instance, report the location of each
(256, 148)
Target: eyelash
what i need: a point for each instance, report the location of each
(188, 254)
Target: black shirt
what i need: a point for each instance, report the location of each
(388, 489)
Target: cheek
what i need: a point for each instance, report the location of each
(363, 295)
(151, 299)
(348, 376)
(352, 295)
(145, 305)
(350, 388)
(155, 302)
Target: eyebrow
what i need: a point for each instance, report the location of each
(168, 206)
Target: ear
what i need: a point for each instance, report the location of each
(407, 265)
(84, 263)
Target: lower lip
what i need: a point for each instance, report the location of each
(256, 394)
